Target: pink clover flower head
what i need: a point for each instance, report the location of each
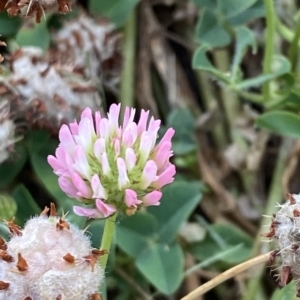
(113, 166)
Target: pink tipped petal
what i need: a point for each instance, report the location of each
(87, 113)
(167, 137)
(113, 117)
(123, 180)
(126, 116)
(93, 213)
(149, 174)
(106, 209)
(54, 163)
(105, 165)
(163, 154)
(83, 189)
(145, 147)
(98, 189)
(99, 148)
(81, 164)
(131, 198)
(165, 177)
(74, 128)
(130, 135)
(86, 133)
(129, 119)
(65, 159)
(97, 122)
(67, 186)
(66, 139)
(117, 147)
(104, 128)
(130, 159)
(142, 124)
(152, 199)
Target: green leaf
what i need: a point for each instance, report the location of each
(9, 26)
(244, 39)
(27, 207)
(282, 122)
(255, 11)
(178, 201)
(281, 65)
(211, 4)
(8, 207)
(11, 168)
(210, 31)
(38, 36)
(40, 146)
(184, 124)
(286, 293)
(200, 61)
(163, 266)
(230, 8)
(134, 238)
(118, 11)
(226, 251)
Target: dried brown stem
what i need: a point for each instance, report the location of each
(227, 275)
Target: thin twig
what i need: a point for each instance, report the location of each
(227, 275)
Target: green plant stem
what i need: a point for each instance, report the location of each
(128, 72)
(293, 50)
(108, 234)
(269, 45)
(275, 196)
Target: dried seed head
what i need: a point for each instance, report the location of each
(33, 8)
(285, 232)
(48, 263)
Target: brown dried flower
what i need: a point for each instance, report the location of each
(33, 8)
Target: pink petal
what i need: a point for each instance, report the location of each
(81, 164)
(97, 122)
(74, 128)
(98, 189)
(55, 164)
(83, 189)
(106, 209)
(117, 147)
(129, 119)
(113, 117)
(130, 135)
(142, 124)
(67, 186)
(87, 113)
(86, 133)
(88, 212)
(149, 174)
(123, 180)
(104, 128)
(65, 159)
(163, 153)
(66, 139)
(145, 147)
(165, 177)
(152, 199)
(126, 116)
(131, 198)
(167, 137)
(105, 165)
(99, 148)
(130, 159)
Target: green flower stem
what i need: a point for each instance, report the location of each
(128, 72)
(108, 234)
(269, 45)
(275, 196)
(293, 50)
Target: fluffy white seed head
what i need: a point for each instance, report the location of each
(48, 259)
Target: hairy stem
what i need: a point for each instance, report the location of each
(269, 45)
(128, 72)
(108, 234)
